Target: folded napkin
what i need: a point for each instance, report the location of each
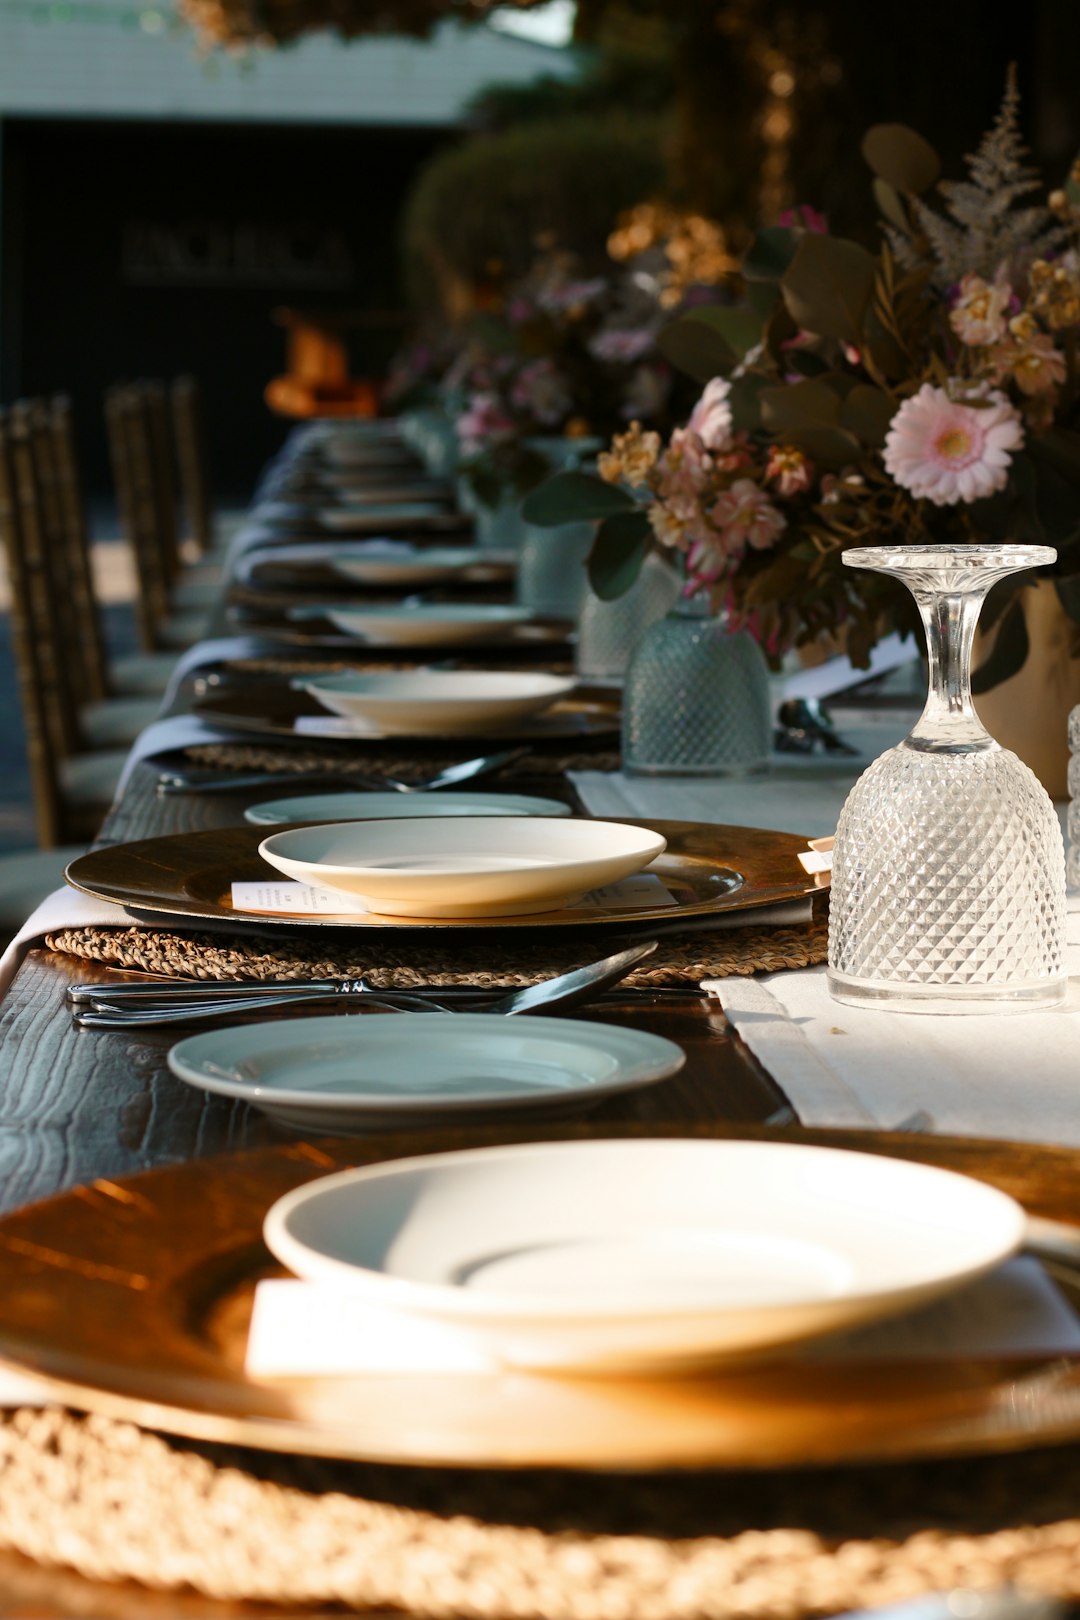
(1011, 1075)
(178, 731)
(63, 908)
(315, 1330)
(801, 793)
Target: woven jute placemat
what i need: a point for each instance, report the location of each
(116, 1502)
(407, 767)
(388, 961)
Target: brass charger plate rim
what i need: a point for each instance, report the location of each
(120, 1252)
(110, 873)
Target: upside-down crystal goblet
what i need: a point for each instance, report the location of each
(948, 885)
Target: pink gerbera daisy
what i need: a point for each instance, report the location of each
(945, 451)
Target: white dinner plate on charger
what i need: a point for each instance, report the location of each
(390, 806)
(434, 624)
(647, 1255)
(346, 519)
(465, 866)
(420, 565)
(446, 703)
(347, 1074)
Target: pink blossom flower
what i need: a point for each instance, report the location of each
(541, 389)
(805, 216)
(519, 310)
(621, 343)
(668, 528)
(745, 514)
(682, 473)
(789, 469)
(483, 422)
(711, 417)
(1034, 361)
(946, 451)
(564, 295)
(979, 313)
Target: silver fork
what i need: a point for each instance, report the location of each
(466, 770)
(113, 1010)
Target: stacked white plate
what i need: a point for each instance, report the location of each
(390, 806)
(426, 624)
(418, 565)
(449, 703)
(482, 866)
(616, 1256)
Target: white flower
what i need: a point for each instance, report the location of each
(711, 416)
(945, 451)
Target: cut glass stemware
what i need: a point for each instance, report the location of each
(948, 885)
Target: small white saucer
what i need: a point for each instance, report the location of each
(381, 1072)
(391, 806)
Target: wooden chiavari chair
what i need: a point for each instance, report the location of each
(144, 491)
(71, 788)
(134, 675)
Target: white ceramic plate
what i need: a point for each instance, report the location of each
(390, 806)
(347, 1074)
(449, 703)
(420, 565)
(483, 866)
(374, 516)
(624, 1256)
(434, 624)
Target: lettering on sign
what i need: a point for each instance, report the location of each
(211, 253)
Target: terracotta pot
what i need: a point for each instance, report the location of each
(1029, 713)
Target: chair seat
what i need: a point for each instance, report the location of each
(89, 781)
(26, 877)
(117, 722)
(141, 674)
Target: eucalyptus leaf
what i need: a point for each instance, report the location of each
(622, 543)
(694, 348)
(1009, 651)
(868, 411)
(740, 327)
(809, 404)
(1057, 500)
(770, 253)
(745, 402)
(891, 204)
(574, 497)
(901, 157)
(762, 297)
(1068, 590)
(828, 286)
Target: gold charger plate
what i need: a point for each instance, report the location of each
(132, 1299)
(707, 868)
(273, 709)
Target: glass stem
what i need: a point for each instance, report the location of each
(949, 719)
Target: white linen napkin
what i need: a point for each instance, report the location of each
(1011, 1075)
(178, 731)
(63, 908)
(316, 1330)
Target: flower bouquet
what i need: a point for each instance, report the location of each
(928, 392)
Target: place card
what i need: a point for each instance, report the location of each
(282, 899)
(301, 1329)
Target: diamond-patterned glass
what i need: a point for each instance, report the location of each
(948, 885)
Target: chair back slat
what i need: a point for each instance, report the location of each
(132, 465)
(159, 437)
(189, 433)
(29, 652)
(47, 617)
(90, 664)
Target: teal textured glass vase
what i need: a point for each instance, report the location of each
(696, 700)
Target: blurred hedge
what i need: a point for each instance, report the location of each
(479, 211)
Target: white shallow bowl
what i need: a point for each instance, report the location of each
(349, 1074)
(419, 565)
(346, 518)
(434, 624)
(449, 703)
(483, 866)
(391, 806)
(646, 1255)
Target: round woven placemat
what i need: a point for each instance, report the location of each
(407, 767)
(116, 1502)
(388, 962)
